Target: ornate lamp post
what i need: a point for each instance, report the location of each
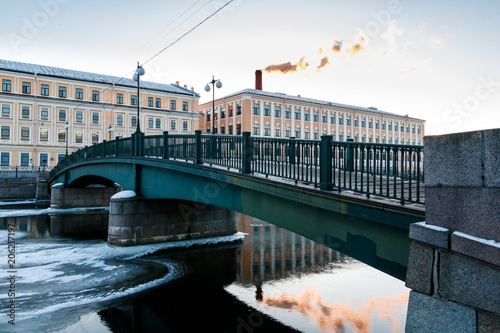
(137, 77)
(110, 131)
(218, 84)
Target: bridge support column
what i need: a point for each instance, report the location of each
(134, 221)
(454, 262)
(91, 196)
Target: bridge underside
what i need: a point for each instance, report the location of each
(363, 229)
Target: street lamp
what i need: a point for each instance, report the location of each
(110, 130)
(66, 128)
(137, 77)
(217, 84)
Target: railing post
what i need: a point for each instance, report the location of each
(132, 141)
(197, 146)
(165, 144)
(291, 150)
(93, 150)
(325, 163)
(247, 151)
(117, 151)
(140, 143)
(350, 156)
(104, 148)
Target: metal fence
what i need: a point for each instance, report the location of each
(387, 170)
(21, 171)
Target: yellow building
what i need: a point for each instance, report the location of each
(40, 105)
(269, 114)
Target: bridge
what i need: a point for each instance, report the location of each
(358, 198)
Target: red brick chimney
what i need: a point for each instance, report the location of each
(258, 79)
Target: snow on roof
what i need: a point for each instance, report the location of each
(124, 194)
(90, 77)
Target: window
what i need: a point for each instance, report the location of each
(230, 111)
(383, 125)
(307, 134)
(60, 157)
(389, 127)
(44, 134)
(267, 111)
(6, 85)
(324, 118)
(297, 133)
(315, 116)
(79, 93)
(256, 129)
(413, 129)
(95, 95)
(78, 137)
(288, 113)
(95, 137)
(306, 116)
(185, 106)
(341, 120)
(26, 87)
(418, 130)
(256, 109)
(230, 130)
(44, 91)
(277, 131)
(79, 116)
(356, 122)
(25, 112)
(61, 115)
(43, 159)
(62, 92)
(377, 124)
(44, 113)
(5, 159)
(95, 117)
(151, 122)
(288, 132)
(150, 102)
(363, 122)
(277, 112)
(348, 121)
(119, 120)
(61, 135)
(25, 159)
(223, 130)
(238, 129)
(119, 98)
(25, 133)
(238, 109)
(267, 130)
(332, 118)
(402, 128)
(222, 113)
(5, 133)
(133, 121)
(173, 125)
(5, 110)
(185, 125)
(408, 128)
(173, 105)
(208, 116)
(158, 102)
(158, 123)
(316, 135)
(133, 100)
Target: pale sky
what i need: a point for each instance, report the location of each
(434, 60)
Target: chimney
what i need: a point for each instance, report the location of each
(258, 79)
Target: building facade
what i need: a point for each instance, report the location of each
(43, 109)
(269, 114)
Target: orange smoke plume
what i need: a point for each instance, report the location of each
(358, 47)
(324, 61)
(288, 67)
(337, 46)
(335, 317)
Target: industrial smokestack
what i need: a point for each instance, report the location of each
(258, 79)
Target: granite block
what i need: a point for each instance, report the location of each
(453, 159)
(487, 322)
(475, 211)
(430, 234)
(479, 248)
(466, 281)
(419, 273)
(428, 314)
(491, 140)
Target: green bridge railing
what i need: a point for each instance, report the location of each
(386, 170)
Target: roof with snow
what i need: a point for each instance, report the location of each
(315, 101)
(89, 77)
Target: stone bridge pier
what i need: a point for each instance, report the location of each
(135, 221)
(454, 263)
(89, 196)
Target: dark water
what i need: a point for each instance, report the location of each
(268, 280)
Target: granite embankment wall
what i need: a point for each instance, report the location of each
(25, 188)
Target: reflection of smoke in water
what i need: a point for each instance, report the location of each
(336, 317)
